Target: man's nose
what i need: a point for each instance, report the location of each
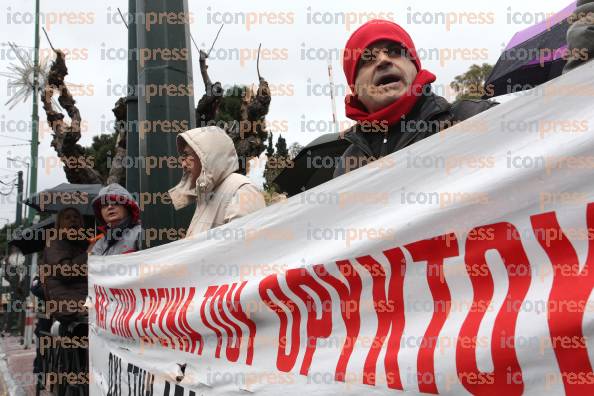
(383, 60)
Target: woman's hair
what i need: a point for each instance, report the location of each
(62, 213)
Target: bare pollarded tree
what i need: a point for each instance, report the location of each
(240, 111)
(79, 166)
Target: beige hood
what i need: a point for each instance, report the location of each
(218, 157)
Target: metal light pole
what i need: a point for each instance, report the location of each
(132, 142)
(28, 264)
(26, 192)
(174, 105)
(19, 204)
(35, 116)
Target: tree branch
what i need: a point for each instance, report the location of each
(208, 105)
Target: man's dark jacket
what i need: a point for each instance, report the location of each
(431, 114)
(66, 285)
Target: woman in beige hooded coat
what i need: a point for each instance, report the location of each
(209, 161)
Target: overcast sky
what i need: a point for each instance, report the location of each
(92, 30)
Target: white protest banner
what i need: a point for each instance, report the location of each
(460, 265)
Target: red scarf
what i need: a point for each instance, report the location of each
(395, 111)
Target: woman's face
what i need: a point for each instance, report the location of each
(113, 213)
(71, 219)
(191, 163)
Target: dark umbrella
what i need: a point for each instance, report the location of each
(32, 239)
(313, 165)
(65, 195)
(532, 57)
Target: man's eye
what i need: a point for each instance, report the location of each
(394, 51)
(366, 57)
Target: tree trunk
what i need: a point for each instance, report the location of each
(117, 172)
(208, 105)
(249, 132)
(65, 137)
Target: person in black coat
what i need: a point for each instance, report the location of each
(64, 268)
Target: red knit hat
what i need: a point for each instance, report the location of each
(369, 33)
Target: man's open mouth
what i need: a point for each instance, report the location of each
(387, 80)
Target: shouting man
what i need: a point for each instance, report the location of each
(392, 100)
